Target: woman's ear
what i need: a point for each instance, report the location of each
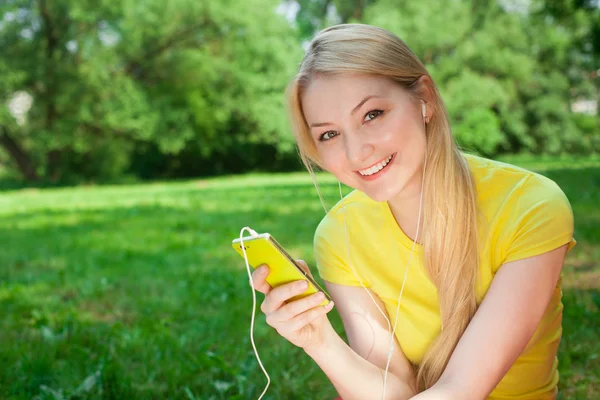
(425, 92)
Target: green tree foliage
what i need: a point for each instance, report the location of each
(508, 75)
(566, 43)
(181, 88)
(314, 15)
(108, 78)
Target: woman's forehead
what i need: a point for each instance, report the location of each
(347, 83)
(335, 96)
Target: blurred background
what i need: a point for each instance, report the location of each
(138, 137)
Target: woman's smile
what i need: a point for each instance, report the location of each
(376, 170)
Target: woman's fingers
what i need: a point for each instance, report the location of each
(280, 294)
(259, 277)
(299, 321)
(294, 308)
(304, 318)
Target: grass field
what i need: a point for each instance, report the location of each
(133, 292)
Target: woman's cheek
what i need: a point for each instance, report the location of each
(335, 164)
(327, 159)
(332, 166)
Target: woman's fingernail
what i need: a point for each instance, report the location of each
(302, 285)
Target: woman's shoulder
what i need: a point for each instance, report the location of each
(502, 181)
(356, 201)
(486, 169)
(525, 212)
(352, 208)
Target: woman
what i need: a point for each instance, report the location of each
(475, 246)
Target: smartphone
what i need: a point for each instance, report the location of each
(264, 249)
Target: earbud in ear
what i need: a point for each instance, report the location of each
(423, 109)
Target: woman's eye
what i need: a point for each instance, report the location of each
(327, 135)
(373, 114)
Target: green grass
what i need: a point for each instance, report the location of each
(122, 292)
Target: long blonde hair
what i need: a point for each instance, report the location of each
(451, 252)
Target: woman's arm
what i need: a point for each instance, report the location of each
(357, 370)
(501, 328)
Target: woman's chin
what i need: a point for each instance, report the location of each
(382, 194)
(376, 191)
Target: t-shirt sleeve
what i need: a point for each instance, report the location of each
(542, 220)
(331, 254)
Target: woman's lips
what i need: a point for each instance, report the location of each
(378, 173)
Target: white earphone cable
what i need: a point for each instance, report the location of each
(392, 333)
(350, 261)
(391, 351)
(252, 232)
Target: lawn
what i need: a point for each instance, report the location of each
(133, 292)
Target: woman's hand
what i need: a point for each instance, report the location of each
(301, 322)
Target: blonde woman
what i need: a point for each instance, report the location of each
(450, 260)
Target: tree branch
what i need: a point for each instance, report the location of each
(134, 66)
(98, 131)
(24, 162)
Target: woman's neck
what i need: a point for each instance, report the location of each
(405, 208)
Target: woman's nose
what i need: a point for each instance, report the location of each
(358, 148)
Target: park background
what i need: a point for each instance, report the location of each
(138, 137)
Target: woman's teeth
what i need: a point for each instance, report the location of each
(375, 168)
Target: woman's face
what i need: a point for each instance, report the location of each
(368, 131)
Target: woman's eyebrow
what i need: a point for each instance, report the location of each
(319, 124)
(359, 105)
(354, 110)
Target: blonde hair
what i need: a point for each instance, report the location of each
(451, 252)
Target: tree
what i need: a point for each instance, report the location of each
(105, 76)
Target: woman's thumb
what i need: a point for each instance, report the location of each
(304, 266)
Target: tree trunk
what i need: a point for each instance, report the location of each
(52, 38)
(23, 161)
(54, 170)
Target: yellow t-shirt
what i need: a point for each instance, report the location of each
(524, 214)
